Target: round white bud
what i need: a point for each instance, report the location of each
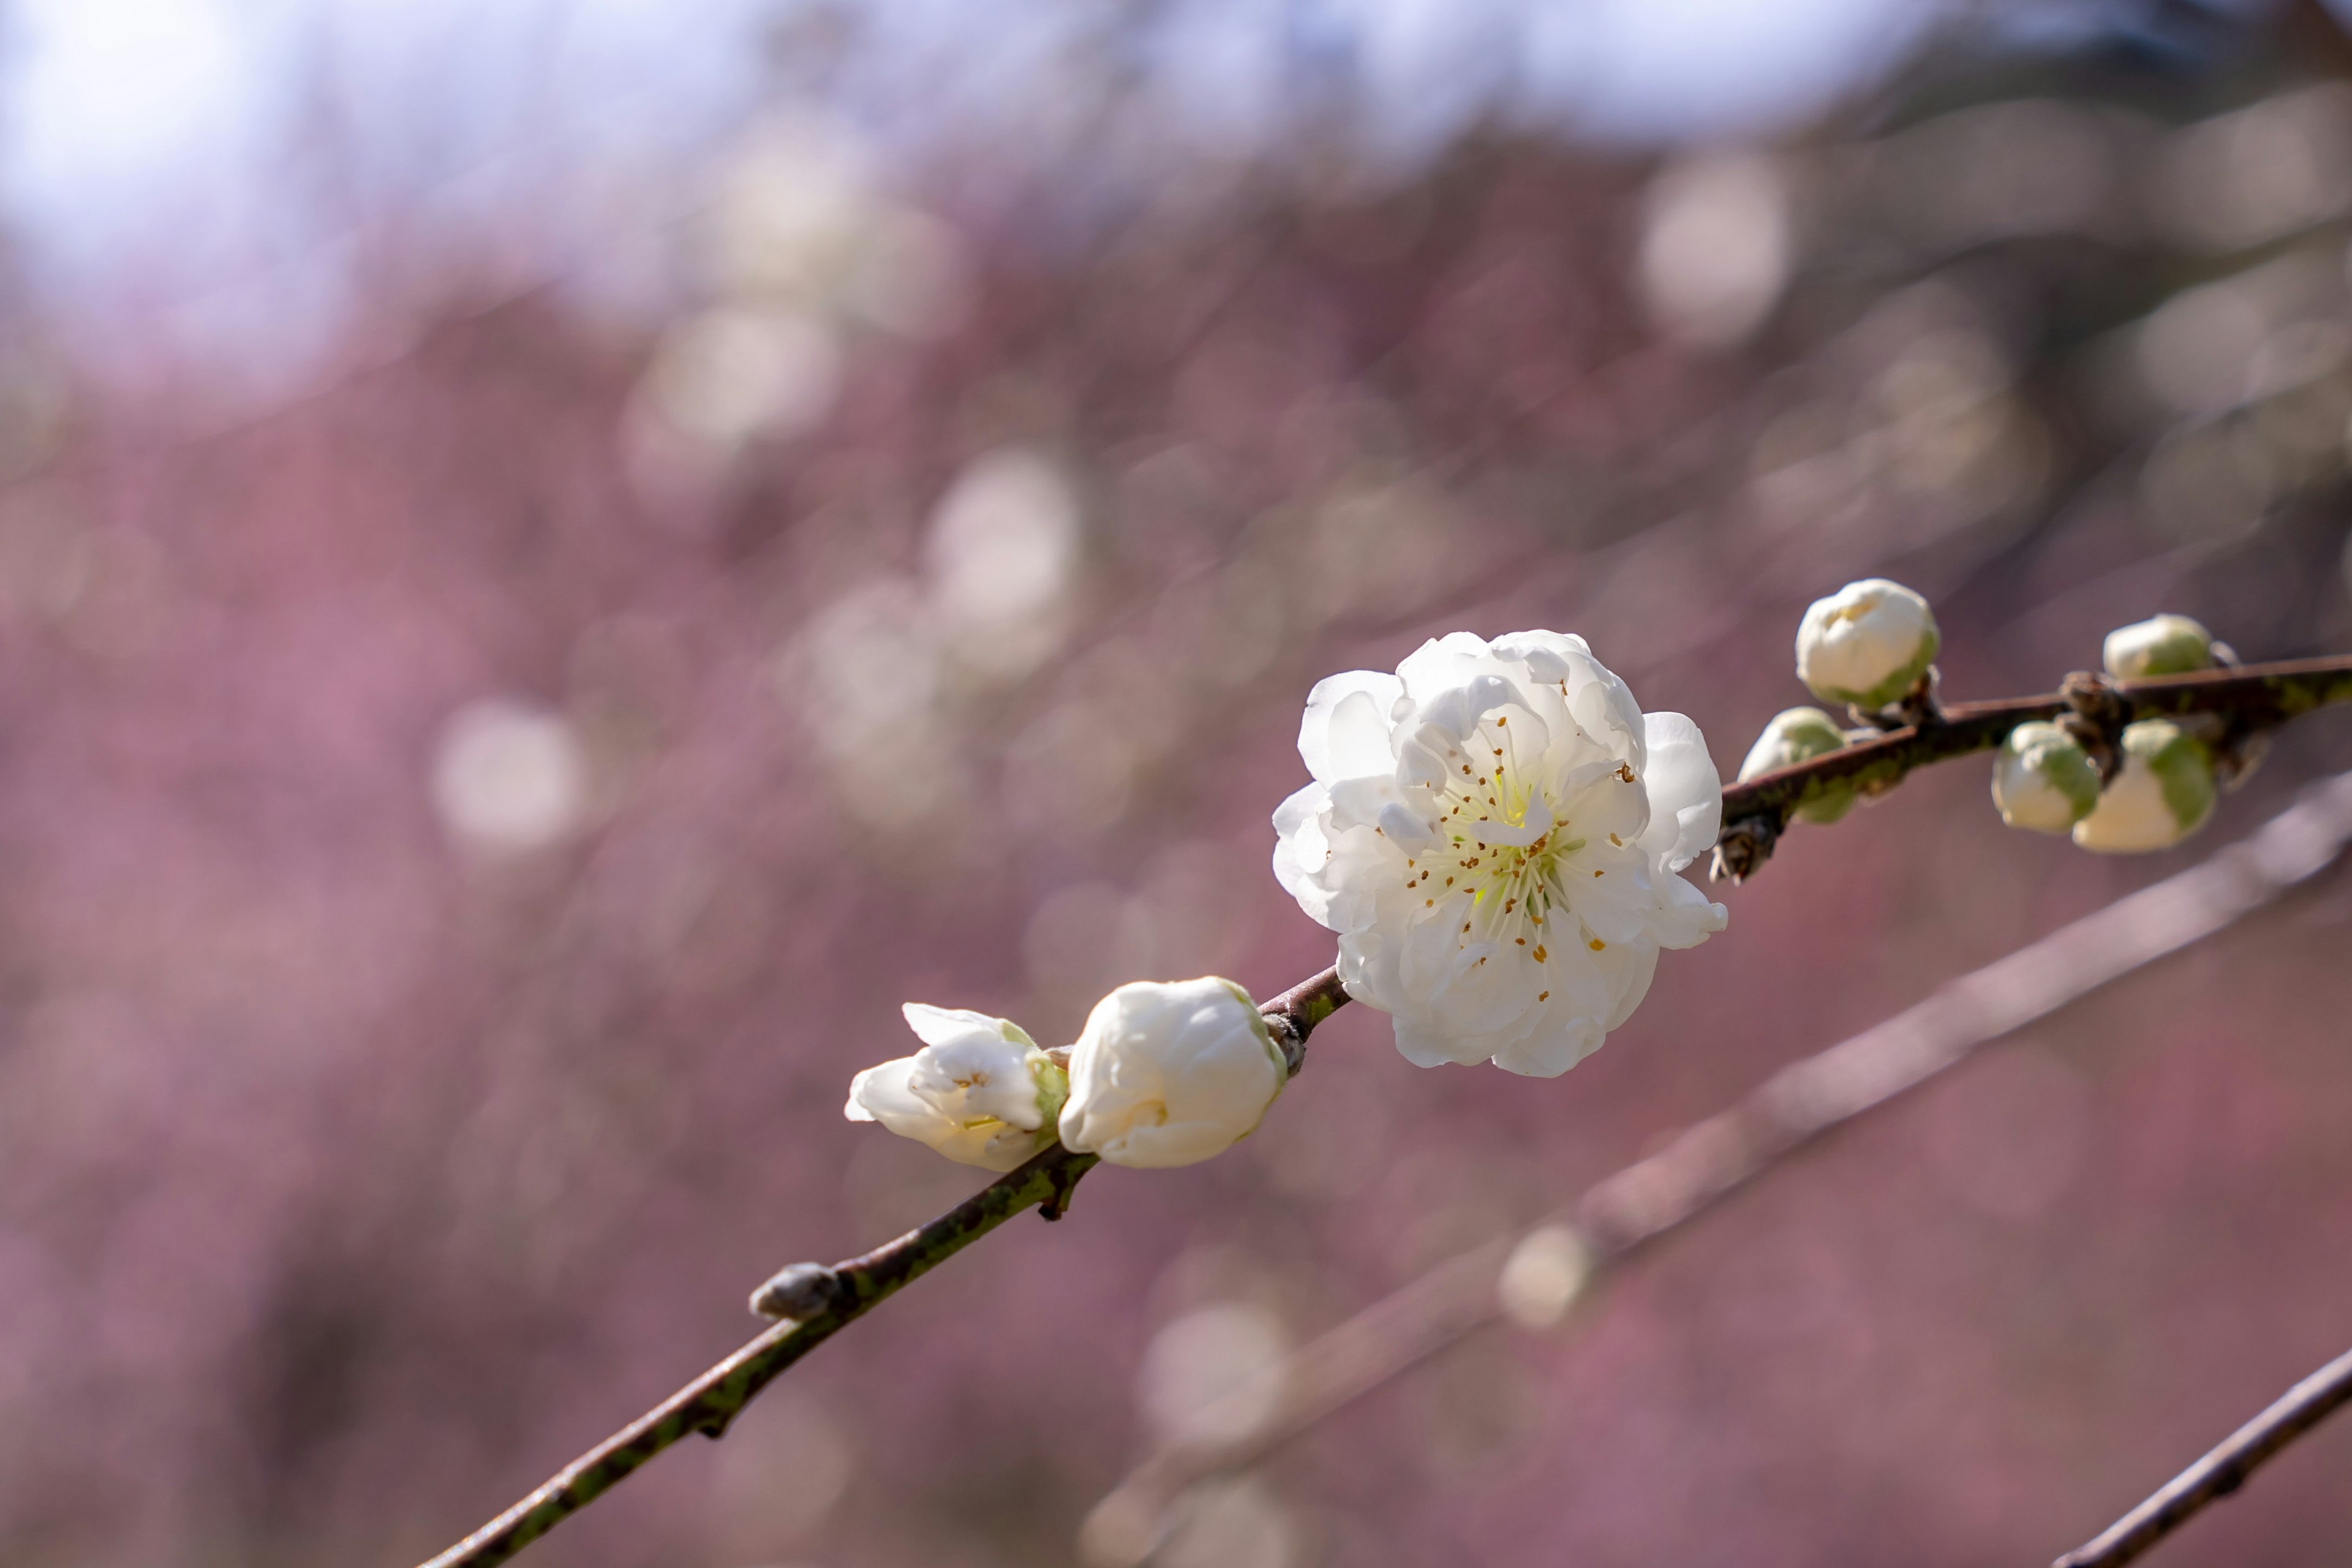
(1799, 735)
(2164, 793)
(2161, 645)
(2043, 779)
(1868, 644)
(980, 1091)
(1170, 1073)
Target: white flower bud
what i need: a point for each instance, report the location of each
(1866, 644)
(980, 1091)
(2164, 793)
(2161, 645)
(1799, 735)
(1169, 1074)
(2043, 779)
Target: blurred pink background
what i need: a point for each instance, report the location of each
(554, 569)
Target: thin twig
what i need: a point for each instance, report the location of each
(2256, 695)
(2223, 1471)
(2252, 696)
(852, 1289)
(1639, 1205)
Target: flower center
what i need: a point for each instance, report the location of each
(1513, 888)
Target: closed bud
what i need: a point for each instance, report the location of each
(2161, 645)
(2163, 794)
(1169, 1073)
(2043, 779)
(980, 1091)
(1799, 735)
(1868, 644)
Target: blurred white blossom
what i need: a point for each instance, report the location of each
(1170, 1073)
(508, 777)
(1543, 1275)
(1866, 644)
(1715, 246)
(980, 1091)
(1495, 831)
(1003, 543)
(730, 375)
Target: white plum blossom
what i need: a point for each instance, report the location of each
(1868, 644)
(1799, 735)
(1170, 1073)
(2164, 793)
(2161, 645)
(1495, 831)
(980, 1091)
(2043, 779)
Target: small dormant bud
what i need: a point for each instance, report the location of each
(2043, 779)
(2164, 793)
(1799, 735)
(2161, 645)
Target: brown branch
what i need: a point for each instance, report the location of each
(1643, 1203)
(2254, 697)
(832, 1299)
(2223, 1471)
(825, 1299)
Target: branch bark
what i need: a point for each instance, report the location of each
(1641, 1204)
(2250, 698)
(2254, 697)
(2221, 1472)
(848, 1291)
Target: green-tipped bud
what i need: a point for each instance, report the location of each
(1799, 735)
(2161, 645)
(2042, 780)
(1868, 644)
(2164, 793)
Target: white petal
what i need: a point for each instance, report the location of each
(1551, 1051)
(1301, 851)
(1688, 917)
(1632, 981)
(1431, 1048)
(1442, 662)
(881, 1094)
(1407, 826)
(1345, 731)
(938, 1025)
(1685, 794)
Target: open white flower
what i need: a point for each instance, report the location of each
(1866, 644)
(1170, 1073)
(1495, 831)
(2164, 793)
(980, 1091)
